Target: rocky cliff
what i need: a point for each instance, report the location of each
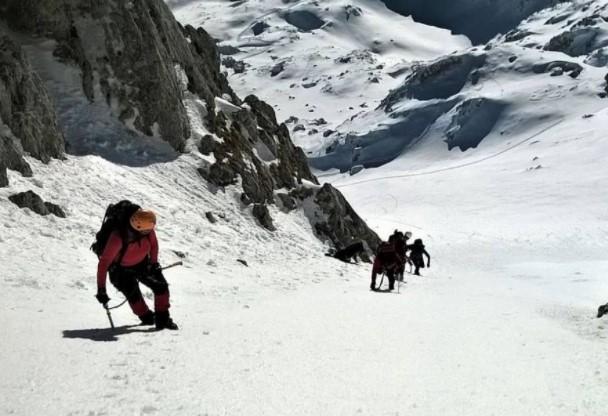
(138, 67)
(27, 117)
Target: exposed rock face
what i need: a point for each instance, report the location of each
(11, 157)
(384, 144)
(32, 201)
(132, 48)
(256, 149)
(287, 202)
(259, 150)
(572, 68)
(440, 79)
(336, 220)
(472, 121)
(135, 60)
(261, 213)
(27, 117)
(576, 42)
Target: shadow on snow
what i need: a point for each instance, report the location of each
(105, 334)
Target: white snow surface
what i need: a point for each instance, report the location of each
(502, 323)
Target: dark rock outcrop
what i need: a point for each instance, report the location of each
(438, 80)
(517, 35)
(572, 68)
(11, 157)
(24, 105)
(338, 222)
(261, 213)
(259, 150)
(287, 202)
(32, 201)
(210, 217)
(27, 117)
(133, 48)
(473, 120)
(304, 20)
(576, 42)
(383, 144)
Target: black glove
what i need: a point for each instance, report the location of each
(102, 296)
(154, 269)
(428, 264)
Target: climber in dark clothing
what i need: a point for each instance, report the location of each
(387, 261)
(602, 310)
(416, 255)
(399, 239)
(349, 253)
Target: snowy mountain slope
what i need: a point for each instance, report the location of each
(502, 323)
(318, 62)
(483, 97)
(502, 320)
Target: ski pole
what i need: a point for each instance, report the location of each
(105, 306)
(179, 263)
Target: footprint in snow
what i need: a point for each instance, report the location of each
(148, 409)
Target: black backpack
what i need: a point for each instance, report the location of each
(116, 219)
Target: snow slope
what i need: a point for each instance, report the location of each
(502, 323)
(336, 57)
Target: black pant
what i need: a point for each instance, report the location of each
(391, 279)
(126, 280)
(418, 264)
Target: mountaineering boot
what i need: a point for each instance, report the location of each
(163, 321)
(147, 318)
(602, 310)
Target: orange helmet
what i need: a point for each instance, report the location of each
(143, 221)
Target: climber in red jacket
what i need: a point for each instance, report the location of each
(132, 262)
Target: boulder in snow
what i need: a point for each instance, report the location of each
(32, 201)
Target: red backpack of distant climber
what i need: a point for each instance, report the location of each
(387, 253)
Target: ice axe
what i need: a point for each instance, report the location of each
(179, 263)
(105, 306)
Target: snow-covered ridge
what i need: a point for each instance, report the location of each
(550, 68)
(318, 63)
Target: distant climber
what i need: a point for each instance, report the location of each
(128, 249)
(352, 252)
(602, 310)
(387, 261)
(416, 255)
(399, 239)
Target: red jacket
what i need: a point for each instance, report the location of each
(136, 252)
